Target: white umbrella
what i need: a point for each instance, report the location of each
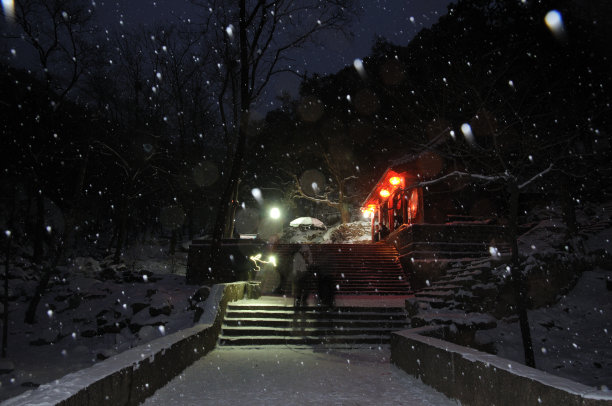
(307, 222)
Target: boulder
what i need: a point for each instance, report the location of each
(86, 266)
(201, 294)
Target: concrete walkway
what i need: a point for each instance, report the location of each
(279, 375)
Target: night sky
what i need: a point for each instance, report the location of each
(396, 20)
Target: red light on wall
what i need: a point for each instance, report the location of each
(384, 193)
(395, 180)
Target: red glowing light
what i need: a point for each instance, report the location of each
(384, 193)
(395, 180)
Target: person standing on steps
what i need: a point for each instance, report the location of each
(302, 259)
(377, 233)
(384, 232)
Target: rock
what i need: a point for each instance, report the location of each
(134, 327)
(148, 333)
(114, 328)
(161, 303)
(6, 366)
(86, 266)
(89, 333)
(39, 342)
(74, 301)
(166, 309)
(198, 312)
(105, 354)
(201, 294)
(108, 274)
(136, 307)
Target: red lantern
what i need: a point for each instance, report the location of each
(395, 180)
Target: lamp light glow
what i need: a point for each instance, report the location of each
(395, 180)
(275, 213)
(385, 193)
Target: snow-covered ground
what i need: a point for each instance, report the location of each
(92, 310)
(279, 375)
(572, 338)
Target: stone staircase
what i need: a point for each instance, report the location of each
(464, 296)
(257, 324)
(356, 269)
(602, 220)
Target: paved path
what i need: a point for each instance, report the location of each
(279, 375)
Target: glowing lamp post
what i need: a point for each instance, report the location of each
(275, 213)
(384, 193)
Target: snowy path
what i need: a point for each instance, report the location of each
(280, 375)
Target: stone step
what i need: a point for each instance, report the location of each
(319, 323)
(442, 286)
(310, 312)
(441, 294)
(306, 340)
(270, 324)
(459, 318)
(444, 254)
(300, 330)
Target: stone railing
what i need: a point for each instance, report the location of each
(476, 378)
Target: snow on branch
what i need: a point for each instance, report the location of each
(537, 176)
(486, 178)
(299, 192)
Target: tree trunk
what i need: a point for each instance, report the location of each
(121, 228)
(30, 314)
(224, 220)
(568, 206)
(518, 280)
(172, 248)
(5, 301)
(39, 227)
(345, 212)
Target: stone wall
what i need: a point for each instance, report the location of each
(479, 379)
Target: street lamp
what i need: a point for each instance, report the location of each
(275, 213)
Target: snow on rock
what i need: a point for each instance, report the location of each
(355, 232)
(89, 312)
(86, 266)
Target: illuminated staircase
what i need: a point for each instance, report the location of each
(279, 325)
(356, 269)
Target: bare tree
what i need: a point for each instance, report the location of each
(58, 51)
(253, 42)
